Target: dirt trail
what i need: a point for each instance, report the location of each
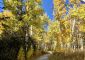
(44, 57)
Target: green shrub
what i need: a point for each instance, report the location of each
(21, 55)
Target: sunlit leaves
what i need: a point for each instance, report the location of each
(59, 7)
(79, 14)
(74, 1)
(7, 14)
(1, 28)
(82, 27)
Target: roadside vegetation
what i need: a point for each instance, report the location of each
(68, 56)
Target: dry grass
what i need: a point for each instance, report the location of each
(67, 56)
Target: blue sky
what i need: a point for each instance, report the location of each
(48, 8)
(1, 5)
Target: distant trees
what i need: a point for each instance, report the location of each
(69, 26)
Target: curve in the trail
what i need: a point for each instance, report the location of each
(44, 57)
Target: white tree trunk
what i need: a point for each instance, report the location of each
(81, 43)
(61, 43)
(73, 28)
(73, 25)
